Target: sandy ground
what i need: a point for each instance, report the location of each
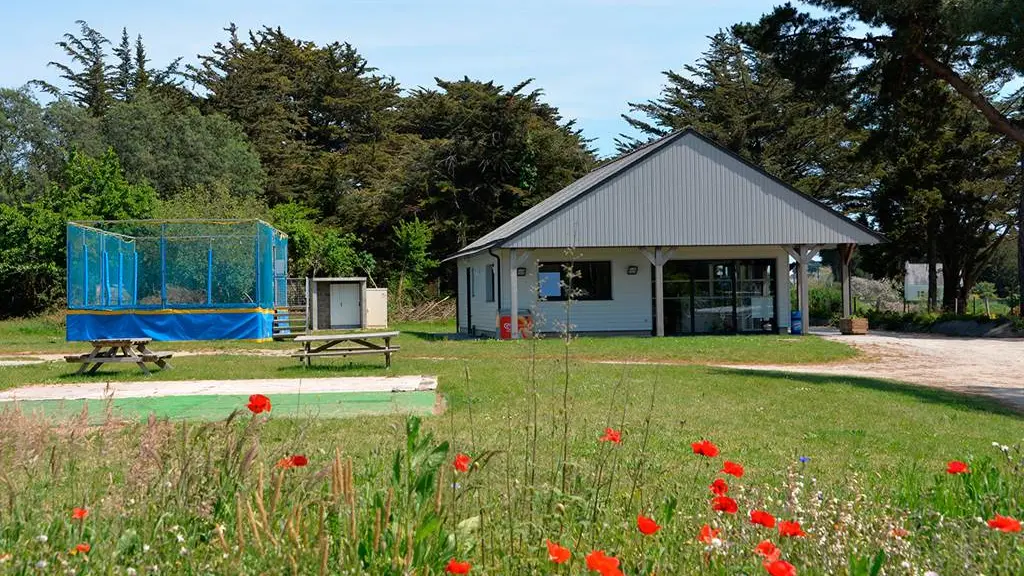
(992, 367)
(152, 388)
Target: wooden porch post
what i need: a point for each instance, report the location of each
(513, 295)
(659, 292)
(846, 256)
(658, 259)
(803, 254)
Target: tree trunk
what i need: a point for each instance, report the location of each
(950, 285)
(1020, 235)
(933, 276)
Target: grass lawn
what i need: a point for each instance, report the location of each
(380, 494)
(46, 335)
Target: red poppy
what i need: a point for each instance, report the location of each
(83, 548)
(705, 448)
(956, 467)
(79, 514)
(724, 504)
(597, 561)
(787, 528)
(762, 518)
(647, 526)
(707, 534)
(1004, 524)
(296, 461)
(732, 469)
(258, 403)
(611, 435)
(899, 533)
(719, 487)
(456, 567)
(558, 554)
(461, 463)
(780, 568)
(770, 552)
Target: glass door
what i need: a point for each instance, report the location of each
(755, 295)
(717, 297)
(714, 310)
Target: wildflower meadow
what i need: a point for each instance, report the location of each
(557, 468)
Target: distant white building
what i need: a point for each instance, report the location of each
(915, 282)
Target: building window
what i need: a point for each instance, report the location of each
(591, 280)
(489, 283)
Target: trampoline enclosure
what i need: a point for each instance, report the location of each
(174, 279)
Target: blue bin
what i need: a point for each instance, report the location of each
(796, 323)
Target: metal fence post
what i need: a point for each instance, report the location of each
(163, 265)
(209, 274)
(85, 273)
(120, 274)
(135, 279)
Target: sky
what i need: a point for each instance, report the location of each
(590, 57)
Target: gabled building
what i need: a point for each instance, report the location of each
(680, 236)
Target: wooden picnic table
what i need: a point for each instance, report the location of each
(327, 345)
(133, 350)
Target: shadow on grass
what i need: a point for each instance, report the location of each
(329, 368)
(990, 399)
(441, 336)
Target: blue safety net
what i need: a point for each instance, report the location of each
(172, 265)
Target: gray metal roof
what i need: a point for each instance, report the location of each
(681, 190)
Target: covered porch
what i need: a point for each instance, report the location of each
(684, 289)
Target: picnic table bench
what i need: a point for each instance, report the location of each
(133, 350)
(354, 344)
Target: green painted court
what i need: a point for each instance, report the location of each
(218, 407)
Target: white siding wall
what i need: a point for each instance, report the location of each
(630, 307)
(484, 314)
(628, 310)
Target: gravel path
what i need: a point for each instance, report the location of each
(992, 367)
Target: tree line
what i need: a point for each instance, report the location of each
(912, 128)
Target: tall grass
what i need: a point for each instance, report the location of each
(222, 498)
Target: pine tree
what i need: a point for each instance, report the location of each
(122, 80)
(90, 86)
(736, 97)
(142, 79)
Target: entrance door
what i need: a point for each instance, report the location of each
(345, 306)
(717, 297)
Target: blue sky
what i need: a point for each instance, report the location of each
(590, 57)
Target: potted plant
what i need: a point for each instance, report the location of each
(853, 325)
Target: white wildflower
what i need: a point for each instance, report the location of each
(42, 538)
(180, 537)
(183, 551)
(145, 547)
(41, 565)
(905, 564)
(996, 444)
(931, 573)
(130, 571)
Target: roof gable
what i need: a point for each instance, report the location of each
(681, 190)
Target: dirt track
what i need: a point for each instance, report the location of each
(992, 367)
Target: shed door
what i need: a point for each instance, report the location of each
(345, 306)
